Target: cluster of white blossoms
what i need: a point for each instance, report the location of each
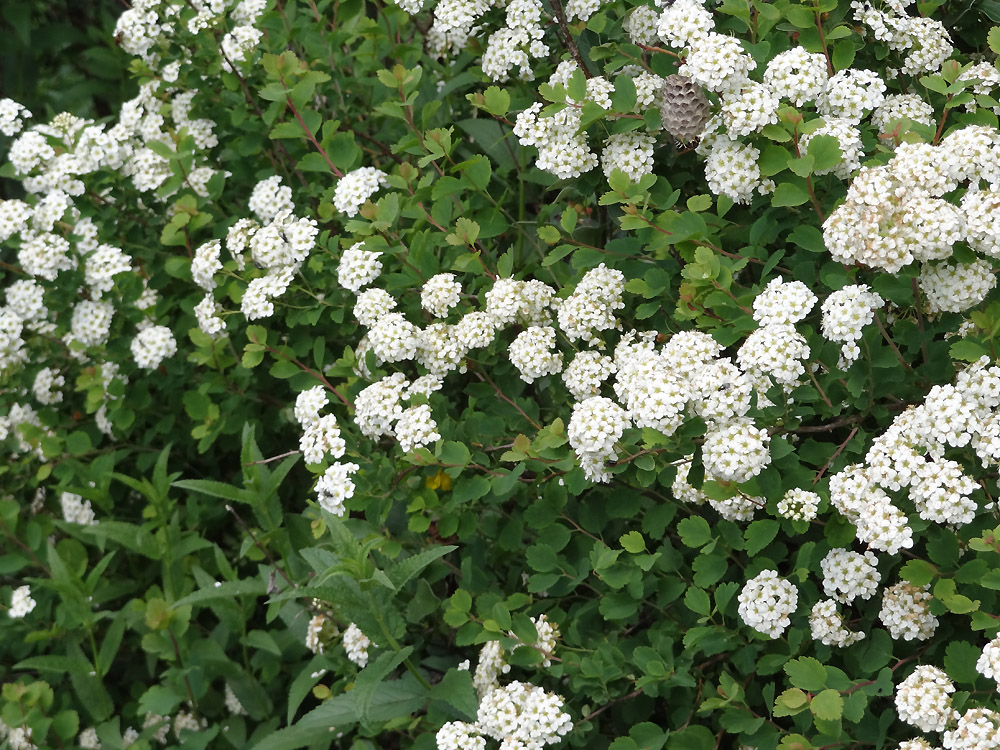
(521, 716)
(735, 451)
(976, 729)
(826, 625)
(152, 345)
(799, 505)
(534, 354)
(596, 425)
(21, 602)
(233, 704)
(896, 214)
(355, 188)
(356, 644)
(924, 40)
(924, 699)
(988, 664)
(320, 441)
(906, 612)
(846, 312)
(315, 635)
(848, 575)
(77, 510)
(767, 602)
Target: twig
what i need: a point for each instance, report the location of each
(836, 453)
(483, 376)
(267, 554)
(568, 38)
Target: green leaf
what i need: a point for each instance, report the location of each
(497, 101)
(993, 39)
(825, 150)
(401, 572)
(806, 673)
(224, 590)
(694, 531)
(759, 534)
(55, 663)
(827, 705)
(790, 702)
(918, 572)
(960, 659)
(391, 700)
(456, 689)
(789, 194)
(372, 675)
(213, 488)
(159, 700)
(697, 601)
(633, 542)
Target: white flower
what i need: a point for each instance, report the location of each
(21, 602)
(152, 345)
(767, 602)
(356, 187)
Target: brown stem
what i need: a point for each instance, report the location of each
(836, 453)
(26, 548)
(567, 37)
(309, 134)
(891, 343)
(266, 553)
(481, 374)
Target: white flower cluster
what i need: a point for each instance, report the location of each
(233, 704)
(88, 739)
(976, 729)
(355, 188)
(924, 40)
(896, 214)
(799, 505)
(592, 305)
(523, 716)
(534, 354)
(21, 602)
(516, 43)
(356, 644)
(315, 637)
(12, 116)
(735, 451)
(826, 625)
(596, 425)
(988, 664)
(767, 602)
(923, 699)
(438, 295)
(906, 613)
(77, 510)
(783, 302)
(562, 145)
(848, 575)
(845, 313)
(152, 345)
(492, 663)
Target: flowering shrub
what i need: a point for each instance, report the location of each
(472, 375)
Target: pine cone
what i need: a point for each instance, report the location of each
(683, 108)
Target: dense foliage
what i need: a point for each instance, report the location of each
(474, 375)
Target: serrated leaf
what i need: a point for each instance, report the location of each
(759, 534)
(828, 705)
(806, 673)
(960, 659)
(224, 590)
(993, 39)
(401, 572)
(697, 601)
(788, 194)
(633, 542)
(694, 531)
